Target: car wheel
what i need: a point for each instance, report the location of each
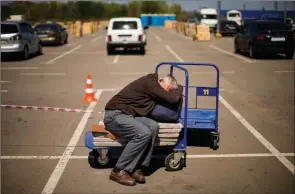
(66, 41)
(39, 52)
(142, 50)
(109, 51)
(252, 53)
(289, 55)
(25, 54)
(237, 49)
(61, 41)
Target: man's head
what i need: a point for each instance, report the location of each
(168, 83)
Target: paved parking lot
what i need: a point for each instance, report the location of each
(44, 151)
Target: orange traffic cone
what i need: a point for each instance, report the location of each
(89, 96)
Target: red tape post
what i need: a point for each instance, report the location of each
(43, 108)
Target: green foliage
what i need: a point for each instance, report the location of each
(85, 10)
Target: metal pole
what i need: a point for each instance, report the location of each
(276, 5)
(285, 14)
(218, 16)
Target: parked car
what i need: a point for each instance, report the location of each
(52, 33)
(193, 21)
(19, 38)
(227, 27)
(264, 36)
(125, 32)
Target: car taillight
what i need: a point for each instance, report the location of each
(260, 37)
(140, 38)
(51, 33)
(17, 37)
(109, 38)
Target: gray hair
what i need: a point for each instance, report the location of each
(169, 79)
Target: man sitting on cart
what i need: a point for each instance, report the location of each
(127, 117)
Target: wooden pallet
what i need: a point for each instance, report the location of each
(168, 135)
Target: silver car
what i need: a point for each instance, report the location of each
(18, 37)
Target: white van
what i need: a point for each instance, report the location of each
(125, 32)
(234, 15)
(209, 17)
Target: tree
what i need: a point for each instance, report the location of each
(85, 10)
(177, 10)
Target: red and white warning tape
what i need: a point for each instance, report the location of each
(43, 108)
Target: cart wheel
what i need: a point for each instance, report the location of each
(102, 161)
(215, 144)
(97, 161)
(169, 163)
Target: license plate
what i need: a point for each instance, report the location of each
(277, 39)
(43, 36)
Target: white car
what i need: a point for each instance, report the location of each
(125, 32)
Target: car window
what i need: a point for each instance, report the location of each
(125, 25)
(31, 30)
(42, 27)
(234, 15)
(58, 26)
(273, 26)
(9, 28)
(24, 28)
(209, 16)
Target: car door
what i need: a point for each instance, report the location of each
(239, 37)
(247, 37)
(34, 37)
(244, 34)
(60, 31)
(26, 38)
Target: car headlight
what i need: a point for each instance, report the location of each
(15, 38)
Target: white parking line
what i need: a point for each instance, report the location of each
(250, 128)
(229, 53)
(155, 156)
(287, 71)
(254, 131)
(116, 59)
(4, 90)
(64, 54)
(41, 74)
(127, 73)
(157, 37)
(95, 39)
(239, 155)
(62, 163)
(18, 68)
(5, 81)
(213, 72)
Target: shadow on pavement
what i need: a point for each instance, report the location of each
(128, 52)
(266, 56)
(155, 164)
(11, 57)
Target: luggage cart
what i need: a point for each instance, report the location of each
(190, 118)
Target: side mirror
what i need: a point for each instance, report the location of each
(146, 27)
(106, 28)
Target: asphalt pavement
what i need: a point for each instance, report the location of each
(43, 151)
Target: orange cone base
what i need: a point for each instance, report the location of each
(89, 99)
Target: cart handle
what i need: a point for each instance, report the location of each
(179, 64)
